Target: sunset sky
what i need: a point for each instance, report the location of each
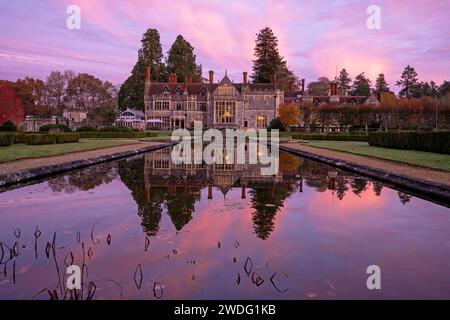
(315, 37)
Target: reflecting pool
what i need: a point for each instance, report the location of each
(143, 228)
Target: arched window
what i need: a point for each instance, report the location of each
(166, 91)
(203, 91)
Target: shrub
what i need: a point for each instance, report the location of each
(60, 127)
(39, 138)
(67, 137)
(8, 126)
(276, 124)
(100, 135)
(6, 139)
(330, 137)
(86, 129)
(19, 137)
(438, 142)
(151, 134)
(115, 129)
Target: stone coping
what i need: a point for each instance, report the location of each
(425, 189)
(45, 171)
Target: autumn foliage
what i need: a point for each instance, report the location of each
(11, 107)
(290, 114)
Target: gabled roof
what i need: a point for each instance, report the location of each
(137, 113)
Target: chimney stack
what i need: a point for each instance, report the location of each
(303, 86)
(172, 78)
(211, 76)
(147, 74)
(333, 88)
(244, 78)
(274, 78)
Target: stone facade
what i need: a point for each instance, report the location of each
(218, 105)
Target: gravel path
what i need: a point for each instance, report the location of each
(387, 165)
(23, 164)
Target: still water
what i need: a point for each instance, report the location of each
(142, 228)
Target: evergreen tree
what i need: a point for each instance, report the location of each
(181, 60)
(381, 85)
(444, 89)
(410, 87)
(361, 86)
(344, 82)
(269, 62)
(131, 93)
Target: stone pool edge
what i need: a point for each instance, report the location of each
(432, 190)
(45, 171)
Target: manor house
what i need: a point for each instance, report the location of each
(220, 105)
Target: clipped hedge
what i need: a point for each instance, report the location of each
(61, 127)
(438, 142)
(67, 137)
(331, 137)
(101, 135)
(19, 137)
(86, 129)
(39, 138)
(115, 129)
(6, 139)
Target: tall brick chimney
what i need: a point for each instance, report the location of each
(172, 78)
(303, 85)
(274, 78)
(147, 74)
(211, 76)
(244, 78)
(333, 88)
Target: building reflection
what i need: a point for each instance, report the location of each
(158, 186)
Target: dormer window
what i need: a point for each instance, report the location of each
(179, 91)
(166, 91)
(203, 92)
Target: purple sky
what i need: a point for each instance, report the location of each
(314, 36)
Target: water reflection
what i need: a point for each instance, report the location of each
(146, 228)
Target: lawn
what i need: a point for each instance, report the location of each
(21, 151)
(420, 158)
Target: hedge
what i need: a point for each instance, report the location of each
(331, 137)
(438, 142)
(115, 129)
(6, 139)
(86, 129)
(61, 127)
(8, 125)
(67, 137)
(39, 138)
(129, 134)
(19, 137)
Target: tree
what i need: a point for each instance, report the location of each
(408, 83)
(131, 93)
(344, 82)
(32, 93)
(319, 87)
(268, 61)
(290, 114)
(381, 85)
(11, 107)
(181, 60)
(444, 89)
(361, 86)
(56, 87)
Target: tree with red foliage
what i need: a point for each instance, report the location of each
(11, 107)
